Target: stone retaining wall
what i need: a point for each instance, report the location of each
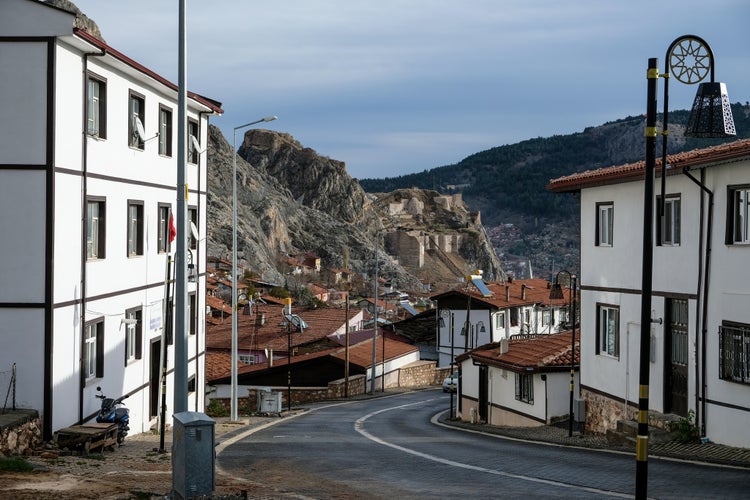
(22, 433)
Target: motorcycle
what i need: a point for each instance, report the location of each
(110, 412)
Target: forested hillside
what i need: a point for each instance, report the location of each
(509, 181)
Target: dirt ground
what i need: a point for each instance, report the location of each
(136, 470)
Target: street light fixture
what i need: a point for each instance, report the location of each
(690, 59)
(233, 399)
(557, 293)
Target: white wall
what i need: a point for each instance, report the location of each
(23, 92)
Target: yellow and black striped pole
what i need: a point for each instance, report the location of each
(641, 450)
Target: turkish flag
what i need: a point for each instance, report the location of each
(172, 229)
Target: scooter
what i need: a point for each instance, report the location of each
(111, 413)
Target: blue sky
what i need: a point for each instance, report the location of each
(392, 87)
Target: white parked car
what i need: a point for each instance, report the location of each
(450, 384)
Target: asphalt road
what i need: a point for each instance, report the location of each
(392, 447)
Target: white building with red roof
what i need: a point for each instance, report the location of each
(699, 336)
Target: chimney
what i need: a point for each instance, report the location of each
(503, 346)
(523, 291)
(507, 293)
(269, 360)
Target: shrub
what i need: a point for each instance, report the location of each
(686, 430)
(15, 464)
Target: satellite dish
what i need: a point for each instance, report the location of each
(194, 230)
(196, 144)
(139, 130)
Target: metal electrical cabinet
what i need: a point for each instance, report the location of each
(193, 455)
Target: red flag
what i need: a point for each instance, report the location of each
(172, 229)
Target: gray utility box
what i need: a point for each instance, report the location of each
(193, 455)
(269, 402)
(579, 410)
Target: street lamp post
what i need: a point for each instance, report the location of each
(557, 293)
(690, 59)
(233, 401)
(446, 315)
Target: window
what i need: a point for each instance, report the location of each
(525, 388)
(165, 131)
(608, 328)
(164, 214)
(133, 335)
(248, 359)
(135, 228)
(734, 352)
(192, 217)
(191, 313)
(93, 350)
(668, 227)
(500, 321)
(136, 123)
(605, 218)
(548, 317)
(738, 215)
(96, 107)
(514, 316)
(193, 131)
(95, 225)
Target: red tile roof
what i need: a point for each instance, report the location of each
(272, 334)
(536, 292)
(361, 354)
(724, 153)
(536, 353)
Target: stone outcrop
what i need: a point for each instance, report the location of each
(292, 200)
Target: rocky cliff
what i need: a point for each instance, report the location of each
(292, 200)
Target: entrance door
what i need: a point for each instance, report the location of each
(483, 387)
(676, 358)
(154, 378)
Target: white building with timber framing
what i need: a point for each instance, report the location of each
(88, 176)
(699, 336)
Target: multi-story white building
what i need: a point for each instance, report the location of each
(88, 181)
(700, 318)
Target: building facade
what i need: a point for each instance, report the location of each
(88, 185)
(496, 312)
(699, 336)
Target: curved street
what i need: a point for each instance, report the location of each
(393, 447)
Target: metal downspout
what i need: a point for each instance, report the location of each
(84, 219)
(700, 418)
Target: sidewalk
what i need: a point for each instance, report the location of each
(709, 453)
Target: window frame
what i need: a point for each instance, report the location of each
(192, 217)
(603, 346)
(134, 335)
(96, 106)
(738, 216)
(134, 141)
(96, 229)
(165, 130)
(670, 222)
(135, 229)
(162, 229)
(192, 307)
(734, 363)
(194, 130)
(92, 350)
(603, 207)
(500, 320)
(525, 388)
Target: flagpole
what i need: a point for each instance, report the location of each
(166, 333)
